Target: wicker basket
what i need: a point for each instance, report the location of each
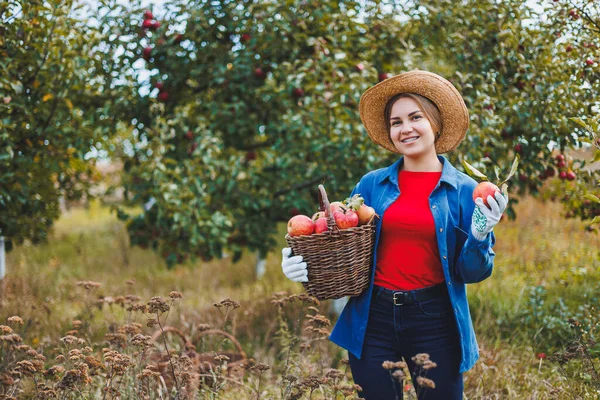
(338, 260)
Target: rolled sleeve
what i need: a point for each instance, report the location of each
(476, 260)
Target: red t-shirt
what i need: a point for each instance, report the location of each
(407, 256)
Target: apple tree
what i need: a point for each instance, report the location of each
(251, 106)
(54, 108)
(527, 74)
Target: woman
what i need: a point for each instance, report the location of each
(431, 241)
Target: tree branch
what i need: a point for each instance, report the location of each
(318, 179)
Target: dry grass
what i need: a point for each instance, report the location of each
(539, 248)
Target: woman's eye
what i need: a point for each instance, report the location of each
(417, 116)
(395, 123)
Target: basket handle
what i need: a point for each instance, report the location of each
(324, 204)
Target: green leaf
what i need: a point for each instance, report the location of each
(513, 169)
(582, 123)
(591, 197)
(474, 172)
(595, 221)
(596, 156)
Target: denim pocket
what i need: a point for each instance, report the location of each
(437, 307)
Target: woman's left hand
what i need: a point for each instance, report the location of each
(484, 218)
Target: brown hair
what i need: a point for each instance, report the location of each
(428, 107)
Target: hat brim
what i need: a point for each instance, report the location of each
(446, 97)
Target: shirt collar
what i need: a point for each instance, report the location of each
(449, 173)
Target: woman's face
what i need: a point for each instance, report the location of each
(410, 130)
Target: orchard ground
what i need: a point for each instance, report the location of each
(546, 272)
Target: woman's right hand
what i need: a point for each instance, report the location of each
(293, 267)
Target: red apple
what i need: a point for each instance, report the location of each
(383, 76)
(251, 155)
(159, 85)
(318, 215)
(360, 67)
(178, 39)
(345, 220)
(147, 53)
(321, 225)
(519, 148)
(560, 164)
(163, 96)
(569, 48)
(297, 92)
(483, 190)
(189, 135)
(300, 225)
(571, 176)
(259, 73)
(365, 213)
(148, 15)
(147, 24)
(336, 206)
(562, 175)
(245, 37)
(589, 61)
(560, 157)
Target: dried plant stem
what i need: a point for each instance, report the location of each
(168, 355)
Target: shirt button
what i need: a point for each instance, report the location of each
(441, 229)
(434, 206)
(444, 257)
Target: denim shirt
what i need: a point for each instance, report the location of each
(464, 258)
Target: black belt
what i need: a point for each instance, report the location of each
(407, 297)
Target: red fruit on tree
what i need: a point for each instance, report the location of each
(383, 76)
(148, 15)
(569, 48)
(163, 96)
(159, 85)
(259, 73)
(297, 92)
(518, 148)
(300, 225)
(189, 135)
(562, 175)
(245, 37)
(147, 24)
(251, 155)
(345, 220)
(489, 107)
(560, 164)
(360, 67)
(178, 39)
(147, 53)
(155, 25)
(483, 190)
(560, 157)
(523, 177)
(571, 176)
(589, 61)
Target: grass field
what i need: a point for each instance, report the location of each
(546, 274)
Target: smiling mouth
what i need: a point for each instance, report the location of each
(410, 140)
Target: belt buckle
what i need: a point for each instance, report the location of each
(398, 302)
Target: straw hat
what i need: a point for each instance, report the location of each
(454, 113)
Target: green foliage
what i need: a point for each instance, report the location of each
(55, 90)
(251, 105)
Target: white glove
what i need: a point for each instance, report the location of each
(484, 218)
(293, 267)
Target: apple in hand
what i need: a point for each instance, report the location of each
(300, 225)
(483, 190)
(346, 219)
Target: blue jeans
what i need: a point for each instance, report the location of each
(395, 333)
